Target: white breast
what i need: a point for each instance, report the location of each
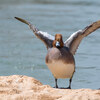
(61, 70)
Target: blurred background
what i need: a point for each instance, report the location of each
(23, 54)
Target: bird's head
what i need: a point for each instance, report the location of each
(58, 42)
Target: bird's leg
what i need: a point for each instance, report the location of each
(70, 81)
(56, 86)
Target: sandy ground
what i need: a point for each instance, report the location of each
(17, 87)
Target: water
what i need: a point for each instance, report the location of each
(22, 53)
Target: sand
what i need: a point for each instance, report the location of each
(18, 87)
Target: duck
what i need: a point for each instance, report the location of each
(60, 55)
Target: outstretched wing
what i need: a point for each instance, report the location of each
(44, 36)
(74, 40)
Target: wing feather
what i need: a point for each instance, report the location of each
(74, 40)
(43, 36)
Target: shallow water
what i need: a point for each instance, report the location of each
(22, 53)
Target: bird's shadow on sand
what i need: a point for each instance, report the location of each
(62, 88)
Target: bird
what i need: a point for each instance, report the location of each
(60, 55)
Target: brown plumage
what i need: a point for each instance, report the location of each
(58, 37)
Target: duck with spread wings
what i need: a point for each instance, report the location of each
(60, 55)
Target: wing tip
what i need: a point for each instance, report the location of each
(22, 20)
